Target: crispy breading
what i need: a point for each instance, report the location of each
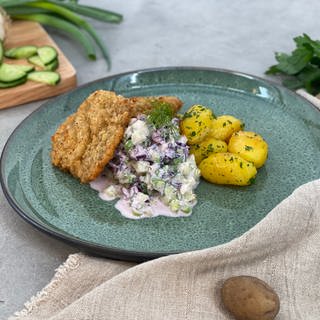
(145, 104)
(86, 141)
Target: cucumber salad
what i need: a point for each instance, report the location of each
(152, 172)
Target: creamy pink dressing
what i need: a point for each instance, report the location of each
(158, 208)
(100, 184)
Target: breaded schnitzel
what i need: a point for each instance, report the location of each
(86, 141)
(145, 104)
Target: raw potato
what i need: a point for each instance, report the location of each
(196, 123)
(224, 126)
(227, 168)
(249, 298)
(249, 146)
(207, 147)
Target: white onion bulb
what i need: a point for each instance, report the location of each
(4, 24)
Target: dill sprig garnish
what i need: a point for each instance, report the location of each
(161, 113)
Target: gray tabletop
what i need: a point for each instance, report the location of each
(237, 35)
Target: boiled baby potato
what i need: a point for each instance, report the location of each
(208, 146)
(227, 168)
(249, 298)
(196, 123)
(250, 146)
(224, 126)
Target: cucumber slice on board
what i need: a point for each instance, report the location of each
(1, 51)
(21, 52)
(52, 66)
(4, 85)
(47, 54)
(47, 77)
(24, 67)
(10, 72)
(36, 61)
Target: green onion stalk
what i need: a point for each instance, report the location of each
(67, 16)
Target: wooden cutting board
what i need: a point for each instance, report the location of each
(25, 33)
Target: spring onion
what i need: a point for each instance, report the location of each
(65, 15)
(74, 18)
(64, 26)
(92, 12)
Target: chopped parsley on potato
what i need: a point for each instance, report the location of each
(223, 152)
(227, 168)
(250, 146)
(224, 126)
(196, 123)
(206, 147)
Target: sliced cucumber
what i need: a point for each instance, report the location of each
(10, 72)
(21, 52)
(11, 84)
(36, 61)
(1, 51)
(24, 67)
(52, 65)
(48, 77)
(47, 54)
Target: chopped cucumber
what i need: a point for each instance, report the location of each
(45, 57)
(11, 84)
(47, 54)
(1, 51)
(52, 65)
(48, 77)
(21, 52)
(24, 67)
(10, 72)
(36, 61)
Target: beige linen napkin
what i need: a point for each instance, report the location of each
(315, 100)
(283, 250)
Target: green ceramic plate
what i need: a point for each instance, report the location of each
(58, 204)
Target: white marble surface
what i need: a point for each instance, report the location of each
(240, 35)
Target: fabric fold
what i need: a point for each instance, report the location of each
(283, 250)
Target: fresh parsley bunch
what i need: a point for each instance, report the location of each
(301, 68)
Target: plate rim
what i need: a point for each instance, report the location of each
(97, 249)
